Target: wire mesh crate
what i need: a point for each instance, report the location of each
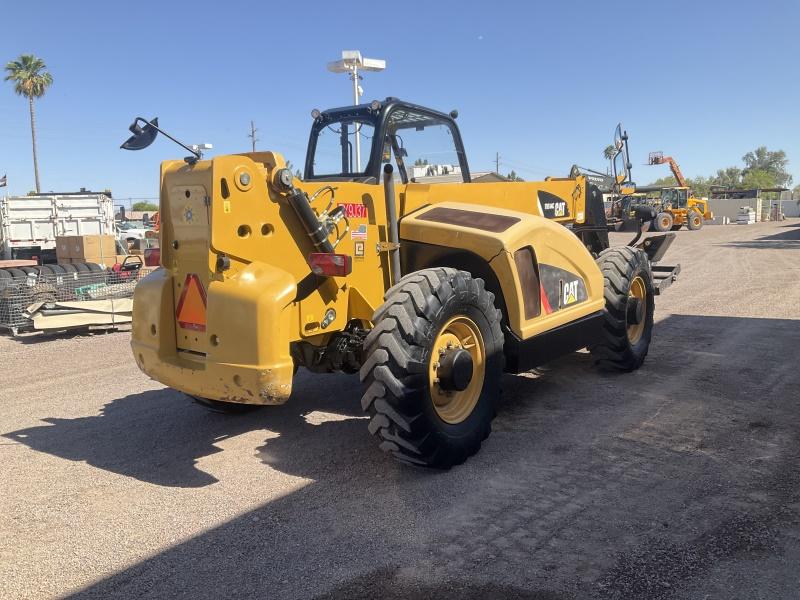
(44, 292)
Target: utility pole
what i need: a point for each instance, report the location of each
(497, 163)
(252, 135)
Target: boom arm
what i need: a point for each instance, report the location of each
(658, 158)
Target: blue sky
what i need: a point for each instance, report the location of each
(543, 83)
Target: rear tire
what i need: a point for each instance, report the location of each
(663, 221)
(694, 220)
(628, 315)
(226, 408)
(422, 409)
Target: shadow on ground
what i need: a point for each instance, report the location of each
(638, 485)
(788, 239)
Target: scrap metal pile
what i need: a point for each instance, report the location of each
(53, 298)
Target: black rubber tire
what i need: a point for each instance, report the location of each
(30, 270)
(45, 270)
(57, 269)
(615, 352)
(226, 408)
(81, 267)
(397, 358)
(17, 273)
(5, 274)
(663, 221)
(69, 268)
(694, 220)
(94, 267)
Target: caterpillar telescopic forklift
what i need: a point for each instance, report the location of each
(430, 291)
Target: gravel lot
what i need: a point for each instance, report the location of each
(677, 481)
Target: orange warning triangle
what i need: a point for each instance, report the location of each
(191, 311)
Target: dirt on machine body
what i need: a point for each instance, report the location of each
(428, 290)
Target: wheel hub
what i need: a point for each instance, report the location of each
(635, 310)
(455, 370)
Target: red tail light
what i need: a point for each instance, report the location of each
(330, 265)
(152, 257)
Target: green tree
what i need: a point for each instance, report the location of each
(420, 162)
(609, 152)
(30, 80)
(773, 163)
(758, 178)
(144, 206)
(514, 177)
(728, 178)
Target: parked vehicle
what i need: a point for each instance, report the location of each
(29, 224)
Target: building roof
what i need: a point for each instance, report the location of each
(479, 177)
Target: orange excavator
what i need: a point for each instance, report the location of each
(678, 205)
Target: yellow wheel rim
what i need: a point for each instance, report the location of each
(664, 222)
(458, 333)
(638, 291)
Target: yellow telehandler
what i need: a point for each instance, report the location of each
(428, 290)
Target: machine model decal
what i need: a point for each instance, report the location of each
(553, 207)
(353, 210)
(560, 288)
(359, 233)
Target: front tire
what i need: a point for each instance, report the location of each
(694, 220)
(663, 221)
(432, 368)
(628, 315)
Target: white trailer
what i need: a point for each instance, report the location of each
(29, 224)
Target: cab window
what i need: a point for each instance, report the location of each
(422, 147)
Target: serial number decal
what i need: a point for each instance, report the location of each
(353, 210)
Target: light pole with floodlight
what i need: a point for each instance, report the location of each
(352, 62)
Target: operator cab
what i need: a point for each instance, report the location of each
(353, 143)
(675, 197)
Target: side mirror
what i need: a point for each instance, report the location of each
(142, 136)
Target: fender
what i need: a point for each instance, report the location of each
(539, 270)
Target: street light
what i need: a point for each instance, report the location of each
(352, 62)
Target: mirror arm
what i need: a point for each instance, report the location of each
(196, 154)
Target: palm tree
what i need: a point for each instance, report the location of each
(609, 152)
(30, 80)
